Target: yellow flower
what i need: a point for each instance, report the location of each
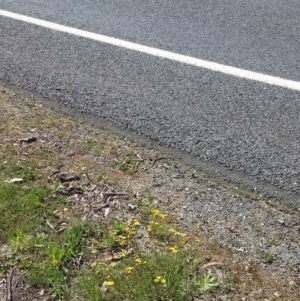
(129, 270)
(130, 233)
(155, 212)
(162, 216)
(159, 279)
(138, 261)
(123, 242)
(93, 264)
(122, 254)
(154, 223)
(197, 240)
(94, 251)
(172, 231)
(135, 223)
(108, 283)
(101, 263)
(173, 249)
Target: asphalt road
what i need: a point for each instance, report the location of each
(247, 126)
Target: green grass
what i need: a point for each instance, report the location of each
(24, 208)
(156, 276)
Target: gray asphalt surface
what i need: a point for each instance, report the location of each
(244, 125)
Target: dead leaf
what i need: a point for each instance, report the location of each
(49, 224)
(106, 211)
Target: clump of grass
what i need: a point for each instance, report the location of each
(73, 241)
(267, 256)
(56, 253)
(102, 176)
(20, 240)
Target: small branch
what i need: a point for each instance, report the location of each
(69, 179)
(158, 159)
(214, 263)
(114, 193)
(28, 140)
(9, 285)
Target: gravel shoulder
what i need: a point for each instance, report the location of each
(265, 239)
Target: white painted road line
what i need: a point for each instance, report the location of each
(267, 79)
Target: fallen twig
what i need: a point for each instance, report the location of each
(9, 285)
(28, 140)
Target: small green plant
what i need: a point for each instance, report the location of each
(124, 166)
(91, 286)
(57, 185)
(266, 256)
(73, 242)
(29, 175)
(56, 253)
(102, 176)
(119, 226)
(109, 240)
(230, 277)
(206, 282)
(19, 241)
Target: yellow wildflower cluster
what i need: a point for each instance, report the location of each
(127, 233)
(122, 254)
(174, 249)
(122, 239)
(138, 261)
(155, 228)
(156, 213)
(108, 283)
(129, 270)
(197, 240)
(176, 233)
(99, 263)
(159, 279)
(134, 223)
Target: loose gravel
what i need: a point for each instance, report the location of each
(268, 237)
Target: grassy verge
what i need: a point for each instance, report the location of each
(74, 234)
